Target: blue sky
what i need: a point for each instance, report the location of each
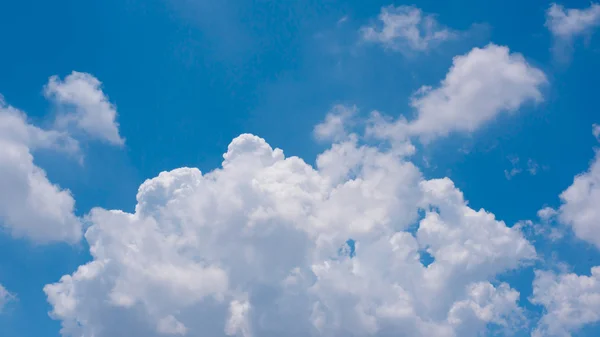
(184, 78)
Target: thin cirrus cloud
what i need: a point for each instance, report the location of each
(83, 105)
(406, 28)
(31, 206)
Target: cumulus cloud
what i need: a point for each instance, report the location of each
(82, 104)
(570, 301)
(479, 86)
(259, 247)
(30, 205)
(406, 28)
(596, 131)
(579, 204)
(5, 297)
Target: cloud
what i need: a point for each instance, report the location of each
(30, 205)
(5, 297)
(579, 208)
(480, 85)
(532, 167)
(334, 127)
(83, 105)
(256, 248)
(566, 24)
(596, 131)
(570, 301)
(406, 28)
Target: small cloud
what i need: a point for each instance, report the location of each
(532, 167)
(567, 24)
(479, 86)
(83, 105)
(334, 127)
(596, 131)
(406, 27)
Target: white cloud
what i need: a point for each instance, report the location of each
(334, 127)
(480, 85)
(255, 248)
(570, 301)
(580, 202)
(566, 24)
(83, 105)
(406, 28)
(5, 297)
(596, 131)
(30, 205)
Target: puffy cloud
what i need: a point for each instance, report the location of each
(5, 297)
(580, 202)
(566, 24)
(30, 205)
(259, 247)
(480, 85)
(406, 28)
(596, 131)
(83, 104)
(570, 301)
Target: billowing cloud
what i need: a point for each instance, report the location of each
(5, 297)
(269, 246)
(406, 28)
(570, 301)
(30, 205)
(82, 104)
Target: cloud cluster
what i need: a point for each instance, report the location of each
(259, 247)
(406, 28)
(30, 205)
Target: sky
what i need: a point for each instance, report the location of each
(299, 168)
